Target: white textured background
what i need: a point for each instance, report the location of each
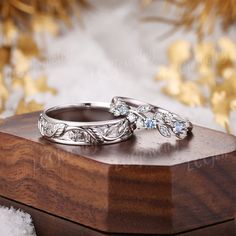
(115, 53)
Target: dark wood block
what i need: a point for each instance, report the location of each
(50, 225)
(147, 184)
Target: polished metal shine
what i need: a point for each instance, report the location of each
(145, 115)
(78, 124)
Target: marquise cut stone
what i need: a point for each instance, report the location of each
(144, 108)
(164, 131)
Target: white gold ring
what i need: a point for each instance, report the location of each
(145, 115)
(84, 124)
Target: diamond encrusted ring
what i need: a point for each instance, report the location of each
(84, 124)
(148, 116)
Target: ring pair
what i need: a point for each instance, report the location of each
(104, 123)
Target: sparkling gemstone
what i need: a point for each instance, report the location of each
(150, 123)
(179, 127)
(164, 131)
(144, 108)
(119, 108)
(168, 118)
(131, 117)
(158, 116)
(123, 110)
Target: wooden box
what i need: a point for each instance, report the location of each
(146, 185)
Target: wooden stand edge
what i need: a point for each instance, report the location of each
(50, 225)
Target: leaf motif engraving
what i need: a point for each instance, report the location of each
(59, 130)
(110, 131)
(164, 130)
(95, 135)
(92, 135)
(41, 124)
(122, 127)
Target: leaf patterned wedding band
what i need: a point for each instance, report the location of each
(84, 124)
(148, 116)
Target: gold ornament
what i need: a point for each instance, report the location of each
(24, 107)
(20, 22)
(215, 76)
(201, 16)
(4, 94)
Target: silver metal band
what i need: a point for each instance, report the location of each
(84, 124)
(145, 115)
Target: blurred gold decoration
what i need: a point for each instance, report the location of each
(24, 107)
(33, 86)
(4, 94)
(22, 25)
(203, 74)
(200, 15)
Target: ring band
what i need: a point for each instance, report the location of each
(83, 124)
(145, 115)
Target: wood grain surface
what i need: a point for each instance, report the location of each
(49, 225)
(147, 184)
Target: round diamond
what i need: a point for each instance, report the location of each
(179, 127)
(150, 123)
(158, 116)
(123, 109)
(132, 117)
(119, 108)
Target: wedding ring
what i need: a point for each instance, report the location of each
(145, 115)
(84, 124)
